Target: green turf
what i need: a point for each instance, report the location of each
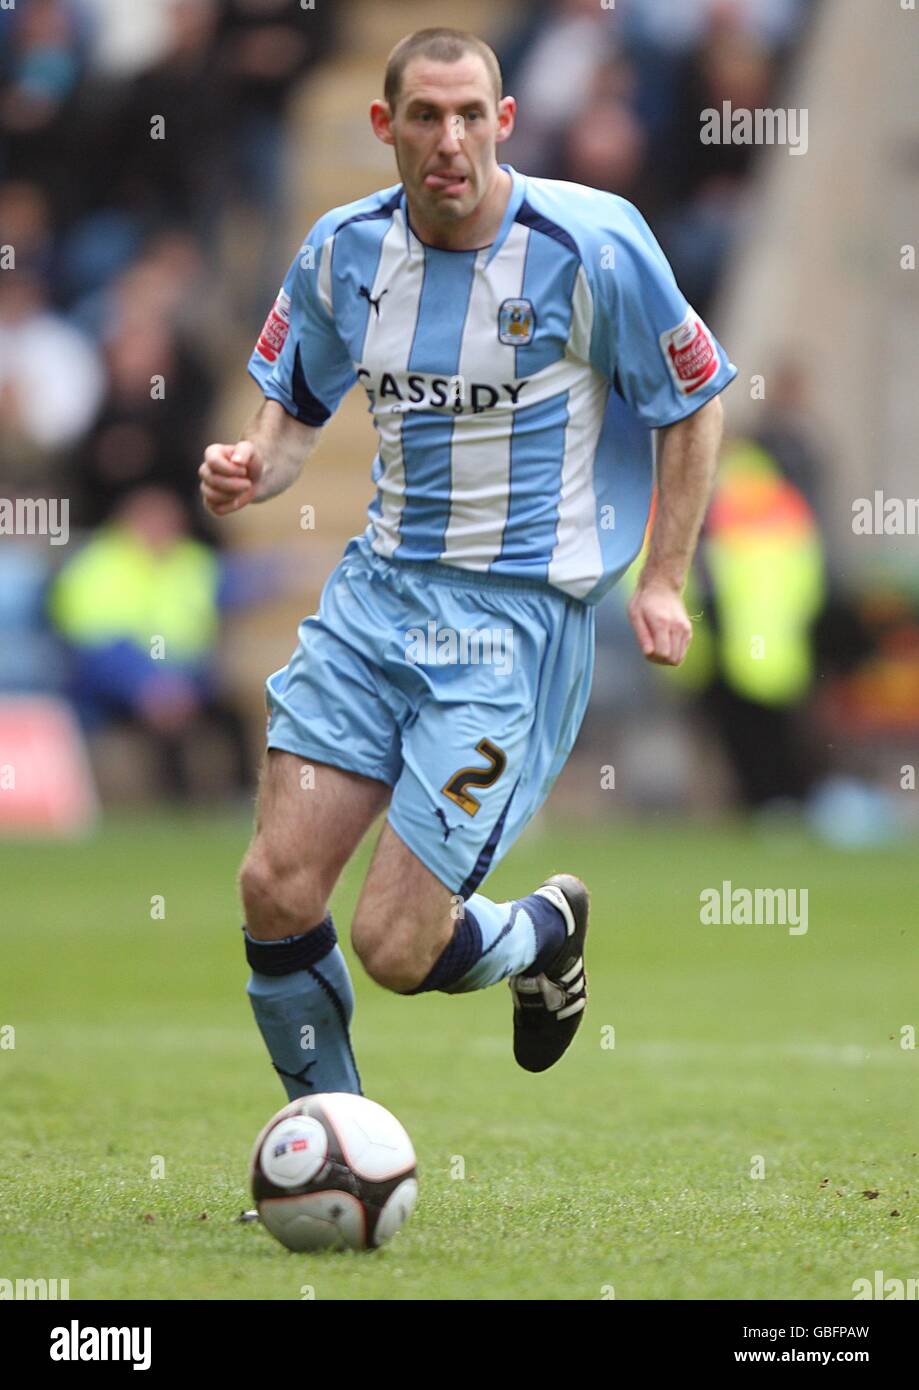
(625, 1167)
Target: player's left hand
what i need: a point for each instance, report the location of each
(660, 622)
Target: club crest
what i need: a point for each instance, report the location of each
(516, 322)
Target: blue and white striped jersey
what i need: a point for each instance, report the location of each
(513, 388)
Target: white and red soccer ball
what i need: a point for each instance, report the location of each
(333, 1171)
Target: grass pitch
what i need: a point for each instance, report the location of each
(625, 1171)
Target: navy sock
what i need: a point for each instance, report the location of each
(494, 940)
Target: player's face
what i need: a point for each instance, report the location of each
(445, 129)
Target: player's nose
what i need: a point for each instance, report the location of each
(451, 135)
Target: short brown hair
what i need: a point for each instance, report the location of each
(442, 46)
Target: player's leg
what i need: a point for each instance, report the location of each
(330, 708)
(413, 934)
(310, 818)
(479, 757)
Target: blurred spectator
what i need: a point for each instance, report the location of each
(707, 182)
(139, 438)
(266, 49)
(788, 432)
(30, 659)
(610, 150)
(729, 64)
(569, 37)
(167, 279)
(870, 641)
(138, 607)
(125, 39)
(25, 225)
(675, 25)
(42, 57)
(51, 380)
(150, 427)
(756, 596)
(762, 562)
(167, 156)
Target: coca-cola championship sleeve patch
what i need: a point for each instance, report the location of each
(656, 351)
(299, 358)
(690, 353)
(276, 327)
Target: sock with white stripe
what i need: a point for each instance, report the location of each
(494, 940)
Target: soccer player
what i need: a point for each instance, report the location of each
(518, 340)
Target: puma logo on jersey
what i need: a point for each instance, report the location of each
(365, 294)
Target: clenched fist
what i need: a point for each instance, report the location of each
(660, 621)
(229, 476)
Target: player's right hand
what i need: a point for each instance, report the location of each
(229, 476)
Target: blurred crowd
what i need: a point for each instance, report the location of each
(128, 133)
(626, 116)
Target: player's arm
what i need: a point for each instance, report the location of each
(303, 369)
(267, 460)
(670, 369)
(687, 462)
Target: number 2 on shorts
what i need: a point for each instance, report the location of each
(455, 786)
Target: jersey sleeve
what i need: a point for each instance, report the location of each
(646, 338)
(300, 359)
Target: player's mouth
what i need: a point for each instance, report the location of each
(446, 181)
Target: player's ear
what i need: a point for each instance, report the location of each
(381, 122)
(507, 114)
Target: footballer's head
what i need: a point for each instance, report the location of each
(444, 113)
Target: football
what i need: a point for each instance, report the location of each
(333, 1171)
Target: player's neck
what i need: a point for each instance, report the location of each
(473, 232)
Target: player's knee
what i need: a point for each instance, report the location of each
(279, 900)
(255, 884)
(388, 960)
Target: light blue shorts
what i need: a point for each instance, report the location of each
(464, 693)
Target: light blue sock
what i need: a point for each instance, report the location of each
(303, 1002)
(494, 940)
